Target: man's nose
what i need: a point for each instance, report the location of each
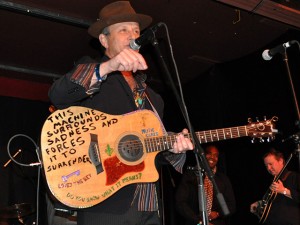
(133, 34)
(269, 168)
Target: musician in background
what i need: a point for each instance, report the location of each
(187, 193)
(285, 207)
(116, 85)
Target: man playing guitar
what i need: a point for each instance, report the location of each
(281, 204)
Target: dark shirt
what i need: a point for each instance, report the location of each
(187, 198)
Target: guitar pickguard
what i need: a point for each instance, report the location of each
(115, 169)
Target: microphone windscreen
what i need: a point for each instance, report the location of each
(266, 55)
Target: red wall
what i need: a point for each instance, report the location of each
(24, 89)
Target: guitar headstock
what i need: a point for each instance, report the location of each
(262, 129)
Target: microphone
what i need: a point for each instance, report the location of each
(269, 53)
(144, 38)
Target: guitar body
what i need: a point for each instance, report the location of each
(89, 155)
(265, 205)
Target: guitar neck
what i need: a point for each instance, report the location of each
(166, 142)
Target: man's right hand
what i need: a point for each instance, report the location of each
(253, 207)
(126, 60)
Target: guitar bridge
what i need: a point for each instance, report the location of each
(94, 154)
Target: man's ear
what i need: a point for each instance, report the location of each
(281, 161)
(103, 40)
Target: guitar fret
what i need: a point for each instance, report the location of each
(214, 137)
(167, 143)
(207, 137)
(233, 132)
(245, 131)
(230, 133)
(204, 137)
(211, 136)
(217, 135)
(172, 140)
(147, 145)
(161, 144)
(150, 145)
(155, 143)
(241, 131)
(221, 134)
(153, 147)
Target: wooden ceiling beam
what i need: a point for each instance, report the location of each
(270, 9)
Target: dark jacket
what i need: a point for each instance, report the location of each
(283, 210)
(187, 198)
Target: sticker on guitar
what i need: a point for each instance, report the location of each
(65, 178)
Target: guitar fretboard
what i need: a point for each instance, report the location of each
(166, 142)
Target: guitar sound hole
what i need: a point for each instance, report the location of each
(130, 148)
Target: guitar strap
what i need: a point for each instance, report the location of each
(140, 79)
(146, 192)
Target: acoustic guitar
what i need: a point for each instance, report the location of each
(88, 155)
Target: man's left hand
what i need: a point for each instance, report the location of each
(182, 143)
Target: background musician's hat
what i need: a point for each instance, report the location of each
(117, 12)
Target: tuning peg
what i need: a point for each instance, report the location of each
(261, 140)
(257, 120)
(265, 118)
(249, 120)
(269, 139)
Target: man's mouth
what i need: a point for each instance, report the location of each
(211, 161)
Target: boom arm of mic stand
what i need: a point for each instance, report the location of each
(285, 59)
(198, 149)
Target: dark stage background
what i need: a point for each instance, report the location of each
(225, 96)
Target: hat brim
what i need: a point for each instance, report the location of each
(143, 20)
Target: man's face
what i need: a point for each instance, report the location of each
(212, 156)
(273, 165)
(119, 37)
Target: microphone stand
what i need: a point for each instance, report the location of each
(296, 136)
(199, 152)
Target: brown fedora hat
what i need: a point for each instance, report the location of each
(117, 12)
